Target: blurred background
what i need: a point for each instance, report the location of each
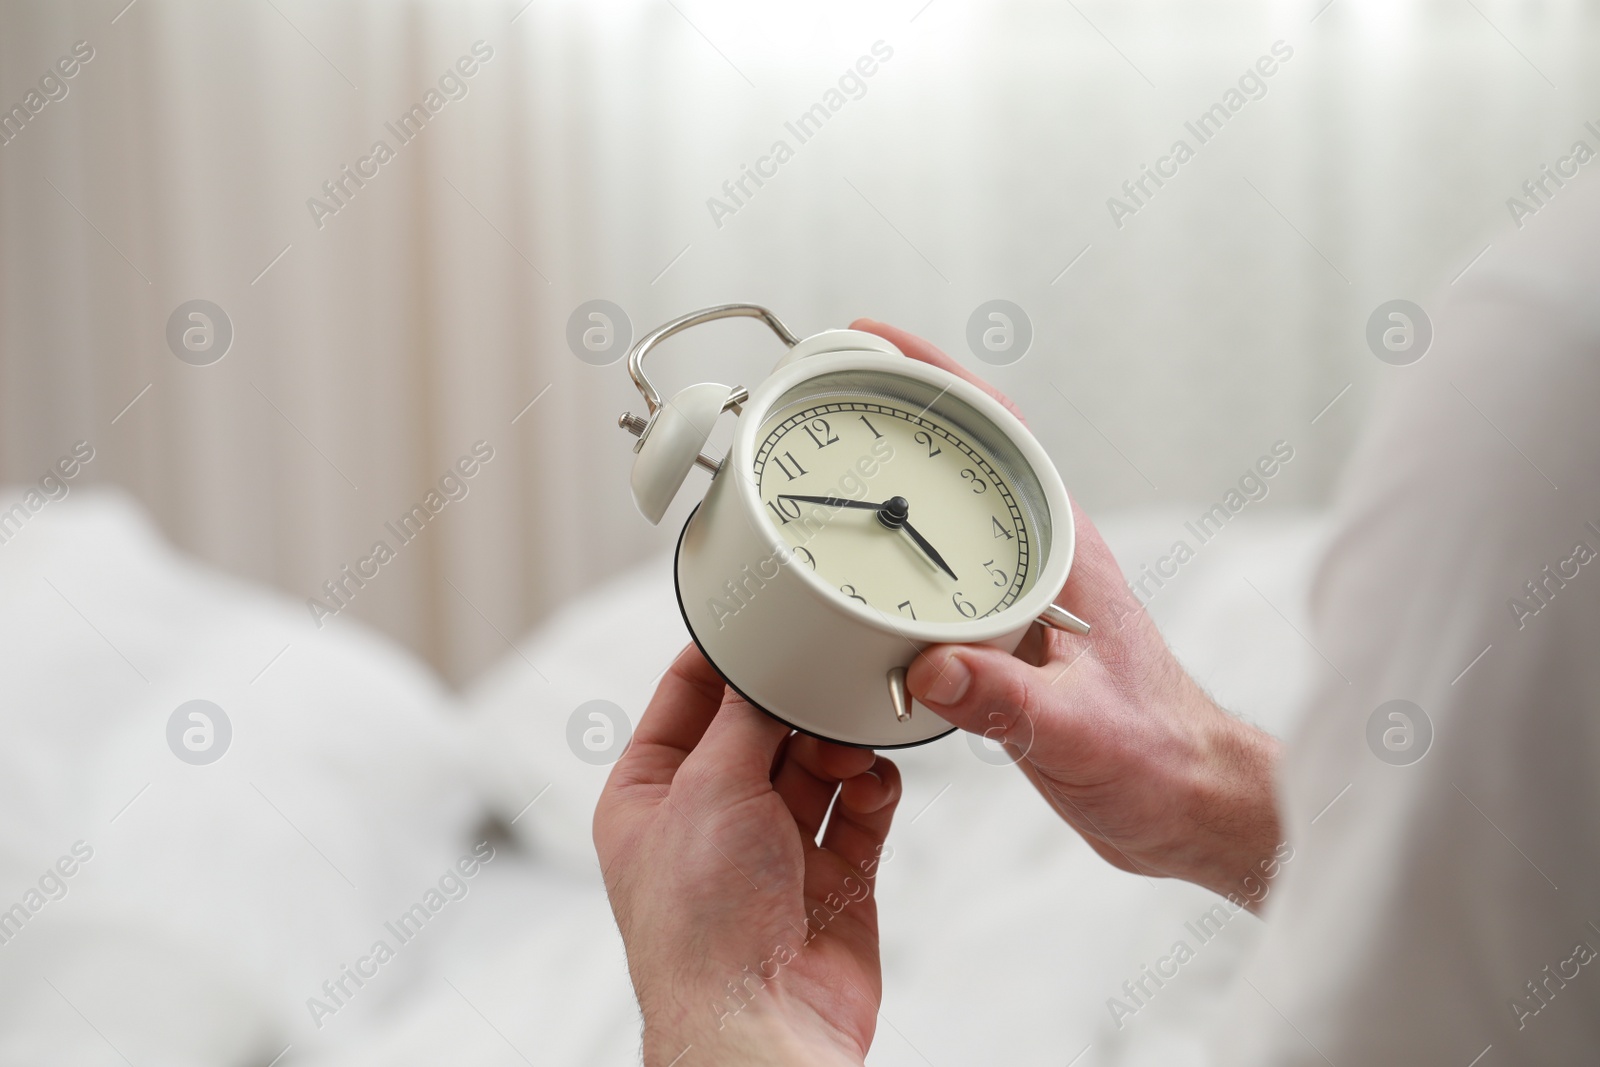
(373, 346)
(359, 338)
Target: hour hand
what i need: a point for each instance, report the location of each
(932, 553)
(894, 513)
(831, 501)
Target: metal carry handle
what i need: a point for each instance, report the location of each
(683, 322)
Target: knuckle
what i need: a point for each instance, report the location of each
(1014, 697)
(1011, 709)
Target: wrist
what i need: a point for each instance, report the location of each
(1233, 814)
(748, 1034)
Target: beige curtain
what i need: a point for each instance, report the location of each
(375, 345)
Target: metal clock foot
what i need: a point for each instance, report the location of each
(898, 695)
(1062, 619)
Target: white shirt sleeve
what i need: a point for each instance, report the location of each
(1436, 908)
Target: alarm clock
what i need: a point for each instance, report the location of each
(870, 505)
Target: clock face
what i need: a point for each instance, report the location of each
(909, 512)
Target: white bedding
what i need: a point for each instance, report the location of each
(223, 896)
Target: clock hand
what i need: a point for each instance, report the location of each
(832, 501)
(893, 514)
(933, 554)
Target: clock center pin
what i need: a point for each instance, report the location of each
(894, 513)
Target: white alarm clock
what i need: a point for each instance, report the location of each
(871, 505)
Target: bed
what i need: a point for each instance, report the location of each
(227, 907)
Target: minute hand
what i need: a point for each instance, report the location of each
(832, 501)
(933, 553)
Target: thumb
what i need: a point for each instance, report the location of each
(984, 690)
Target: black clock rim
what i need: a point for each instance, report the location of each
(677, 592)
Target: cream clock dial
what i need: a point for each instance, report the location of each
(896, 508)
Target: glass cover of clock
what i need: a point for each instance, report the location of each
(901, 497)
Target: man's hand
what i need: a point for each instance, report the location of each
(1121, 742)
(746, 939)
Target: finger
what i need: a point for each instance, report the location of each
(860, 821)
(986, 691)
(684, 704)
(737, 750)
(1037, 644)
(927, 352)
(867, 791)
(809, 774)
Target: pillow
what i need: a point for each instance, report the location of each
(206, 901)
(610, 644)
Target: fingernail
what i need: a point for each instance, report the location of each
(876, 797)
(950, 682)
